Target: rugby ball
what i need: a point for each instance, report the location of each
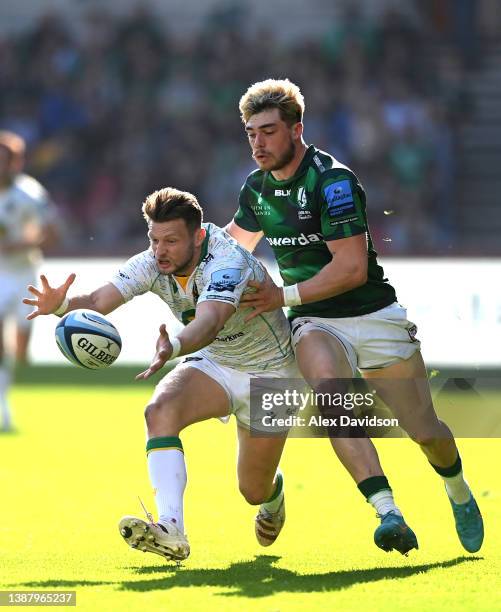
(87, 339)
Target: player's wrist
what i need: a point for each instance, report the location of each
(291, 295)
(62, 308)
(176, 347)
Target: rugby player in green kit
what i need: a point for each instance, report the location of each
(343, 312)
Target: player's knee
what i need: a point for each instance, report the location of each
(253, 493)
(163, 411)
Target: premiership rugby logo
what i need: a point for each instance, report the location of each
(225, 280)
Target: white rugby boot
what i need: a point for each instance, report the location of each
(164, 540)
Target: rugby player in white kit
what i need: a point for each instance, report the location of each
(201, 273)
(27, 225)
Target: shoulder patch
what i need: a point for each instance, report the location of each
(225, 280)
(339, 198)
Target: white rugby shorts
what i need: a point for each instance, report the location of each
(13, 288)
(236, 383)
(375, 340)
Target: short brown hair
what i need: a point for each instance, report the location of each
(168, 204)
(14, 144)
(273, 93)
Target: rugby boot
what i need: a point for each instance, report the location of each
(469, 524)
(164, 540)
(268, 525)
(394, 533)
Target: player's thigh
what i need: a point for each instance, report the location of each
(404, 388)
(321, 355)
(258, 458)
(192, 394)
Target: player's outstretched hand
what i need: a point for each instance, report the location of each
(267, 297)
(164, 351)
(47, 299)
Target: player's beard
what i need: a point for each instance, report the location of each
(185, 267)
(284, 159)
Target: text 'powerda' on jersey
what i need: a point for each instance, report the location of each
(323, 201)
(222, 274)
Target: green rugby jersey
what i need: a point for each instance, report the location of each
(322, 201)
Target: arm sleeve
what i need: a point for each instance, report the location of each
(245, 216)
(342, 207)
(136, 276)
(225, 280)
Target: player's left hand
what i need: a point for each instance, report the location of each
(163, 352)
(267, 297)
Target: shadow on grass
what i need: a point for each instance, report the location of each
(257, 578)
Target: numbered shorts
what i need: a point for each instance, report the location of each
(236, 383)
(13, 288)
(375, 340)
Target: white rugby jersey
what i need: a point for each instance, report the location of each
(23, 205)
(222, 275)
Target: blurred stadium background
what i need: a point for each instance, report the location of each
(120, 100)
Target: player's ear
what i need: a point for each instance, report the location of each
(297, 131)
(200, 236)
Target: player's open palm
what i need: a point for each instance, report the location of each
(163, 352)
(47, 299)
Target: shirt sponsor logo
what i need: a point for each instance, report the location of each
(301, 240)
(262, 208)
(229, 338)
(225, 280)
(339, 198)
(282, 193)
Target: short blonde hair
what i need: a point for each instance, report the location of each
(273, 93)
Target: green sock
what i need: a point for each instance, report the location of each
(273, 504)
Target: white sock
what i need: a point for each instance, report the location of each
(167, 471)
(4, 404)
(457, 488)
(274, 505)
(383, 502)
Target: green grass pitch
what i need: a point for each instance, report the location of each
(77, 463)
